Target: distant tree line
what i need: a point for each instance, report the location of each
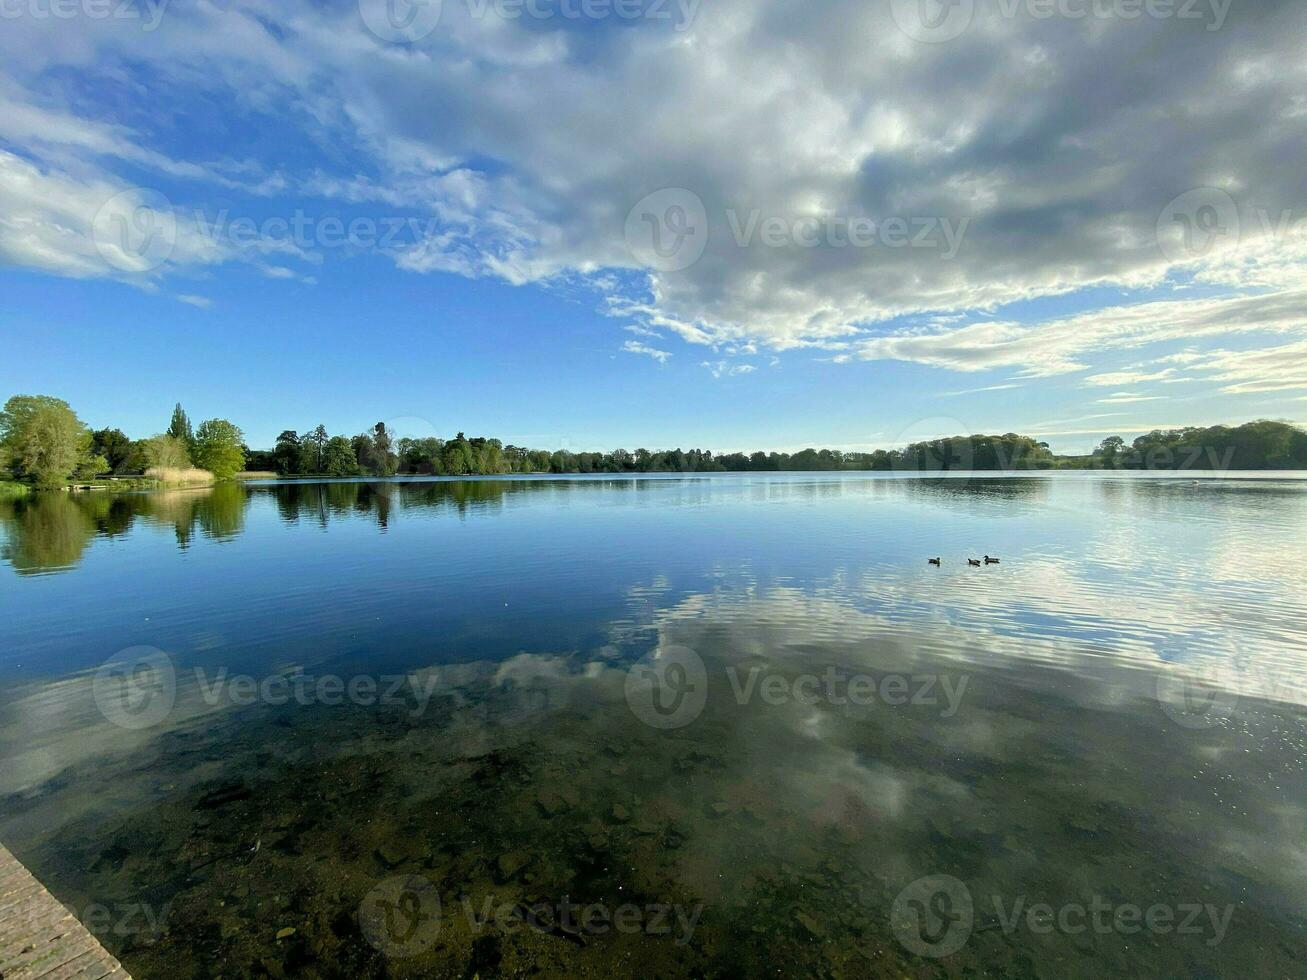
(1260, 445)
(377, 453)
(43, 443)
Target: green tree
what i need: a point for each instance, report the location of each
(91, 466)
(338, 459)
(315, 444)
(161, 452)
(218, 448)
(180, 428)
(287, 453)
(42, 440)
(384, 461)
(114, 446)
(1109, 449)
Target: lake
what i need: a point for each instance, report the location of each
(668, 726)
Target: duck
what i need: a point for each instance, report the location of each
(933, 561)
(990, 561)
(973, 562)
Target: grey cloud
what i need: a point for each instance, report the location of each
(1060, 142)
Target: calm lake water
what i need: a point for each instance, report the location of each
(723, 726)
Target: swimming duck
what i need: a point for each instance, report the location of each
(990, 561)
(973, 562)
(933, 561)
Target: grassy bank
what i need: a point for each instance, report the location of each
(9, 490)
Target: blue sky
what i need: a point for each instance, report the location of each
(1081, 252)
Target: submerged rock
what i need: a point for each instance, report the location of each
(510, 864)
(549, 801)
(811, 925)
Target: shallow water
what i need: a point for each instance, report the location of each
(664, 727)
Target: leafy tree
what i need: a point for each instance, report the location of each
(161, 452)
(287, 453)
(42, 440)
(1109, 449)
(218, 448)
(114, 446)
(315, 444)
(338, 459)
(91, 466)
(383, 459)
(457, 456)
(363, 451)
(180, 428)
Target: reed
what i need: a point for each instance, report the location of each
(178, 476)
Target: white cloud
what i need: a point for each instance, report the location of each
(1115, 378)
(977, 391)
(1128, 398)
(725, 369)
(635, 347)
(202, 302)
(1040, 134)
(52, 221)
(1257, 371)
(1065, 345)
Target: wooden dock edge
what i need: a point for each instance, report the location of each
(40, 939)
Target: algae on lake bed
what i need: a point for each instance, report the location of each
(527, 822)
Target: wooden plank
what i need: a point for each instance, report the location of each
(40, 939)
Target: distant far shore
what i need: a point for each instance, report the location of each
(44, 445)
